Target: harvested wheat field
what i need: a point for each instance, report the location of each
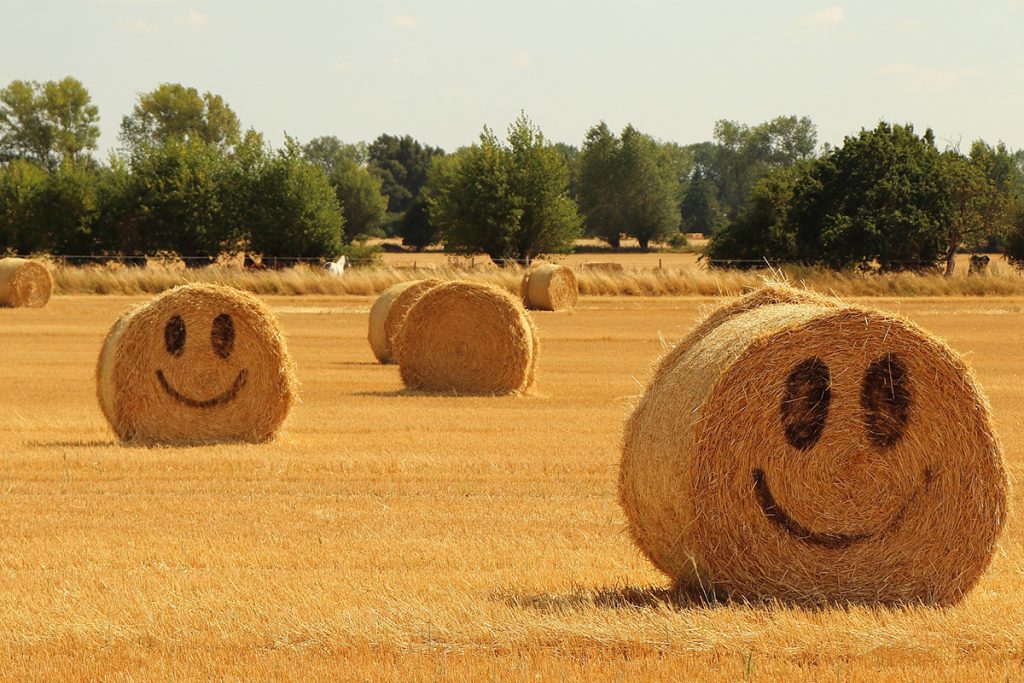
(388, 535)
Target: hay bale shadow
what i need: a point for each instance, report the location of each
(96, 443)
(619, 598)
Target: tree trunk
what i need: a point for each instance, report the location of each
(950, 260)
(645, 242)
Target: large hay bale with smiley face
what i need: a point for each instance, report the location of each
(467, 338)
(389, 311)
(24, 283)
(197, 364)
(809, 450)
(549, 287)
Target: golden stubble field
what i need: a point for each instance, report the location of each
(391, 536)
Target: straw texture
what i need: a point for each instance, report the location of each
(549, 287)
(467, 338)
(197, 364)
(808, 450)
(24, 283)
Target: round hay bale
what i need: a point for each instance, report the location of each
(388, 312)
(606, 266)
(549, 287)
(467, 338)
(814, 451)
(24, 283)
(198, 364)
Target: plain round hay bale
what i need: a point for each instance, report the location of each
(388, 312)
(606, 266)
(549, 287)
(24, 283)
(467, 338)
(815, 453)
(378, 336)
(197, 364)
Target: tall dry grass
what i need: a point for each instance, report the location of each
(1003, 280)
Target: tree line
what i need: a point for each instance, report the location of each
(187, 179)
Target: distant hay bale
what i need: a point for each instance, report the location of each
(549, 287)
(388, 312)
(24, 283)
(607, 266)
(467, 338)
(198, 364)
(800, 448)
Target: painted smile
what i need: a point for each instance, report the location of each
(774, 512)
(225, 397)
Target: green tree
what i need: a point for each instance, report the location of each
(22, 185)
(699, 207)
(740, 155)
(176, 195)
(880, 197)
(50, 123)
(402, 164)
(761, 234)
(977, 207)
(69, 208)
(508, 201)
(329, 151)
(598, 193)
(292, 208)
(649, 188)
(628, 185)
(359, 194)
(173, 111)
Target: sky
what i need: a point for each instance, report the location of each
(440, 70)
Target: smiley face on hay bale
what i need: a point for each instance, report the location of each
(800, 448)
(198, 364)
(389, 311)
(467, 338)
(549, 287)
(24, 283)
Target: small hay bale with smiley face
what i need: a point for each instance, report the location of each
(467, 338)
(198, 364)
(24, 283)
(389, 311)
(800, 448)
(549, 287)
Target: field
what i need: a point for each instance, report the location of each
(389, 536)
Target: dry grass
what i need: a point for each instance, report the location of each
(680, 276)
(393, 536)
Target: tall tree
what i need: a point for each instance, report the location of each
(977, 207)
(699, 207)
(329, 151)
(359, 195)
(880, 197)
(293, 210)
(599, 183)
(177, 196)
(650, 188)
(402, 164)
(49, 123)
(629, 185)
(740, 155)
(173, 111)
(509, 200)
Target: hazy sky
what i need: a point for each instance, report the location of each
(441, 69)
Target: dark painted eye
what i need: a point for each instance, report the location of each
(222, 337)
(174, 336)
(885, 397)
(806, 402)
